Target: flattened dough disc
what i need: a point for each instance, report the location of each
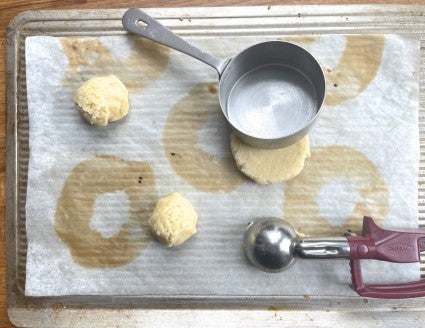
(270, 165)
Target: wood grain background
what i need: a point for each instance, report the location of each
(10, 8)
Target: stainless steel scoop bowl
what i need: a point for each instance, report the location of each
(269, 244)
(270, 93)
(272, 245)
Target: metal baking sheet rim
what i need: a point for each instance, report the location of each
(225, 310)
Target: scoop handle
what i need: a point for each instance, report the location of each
(386, 245)
(388, 291)
(138, 22)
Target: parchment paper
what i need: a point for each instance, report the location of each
(365, 154)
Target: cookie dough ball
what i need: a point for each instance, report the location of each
(270, 165)
(102, 99)
(173, 220)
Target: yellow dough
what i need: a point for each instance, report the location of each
(173, 220)
(270, 165)
(102, 99)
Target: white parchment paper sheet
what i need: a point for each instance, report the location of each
(381, 123)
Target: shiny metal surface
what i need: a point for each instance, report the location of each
(138, 22)
(274, 94)
(269, 244)
(270, 93)
(323, 248)
(272, 245)
(287, 100)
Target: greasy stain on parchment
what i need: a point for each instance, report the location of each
(75, 209)
(202, 170)
(303, 41)
(88, 57)
(356, 69)
(344, 165)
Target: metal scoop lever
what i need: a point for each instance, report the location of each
(272, 245)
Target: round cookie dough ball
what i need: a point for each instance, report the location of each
(173, 220)
(270, 165)
(102, 99)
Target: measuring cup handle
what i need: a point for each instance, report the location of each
(138, 22)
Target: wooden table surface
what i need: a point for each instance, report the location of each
(9, 8)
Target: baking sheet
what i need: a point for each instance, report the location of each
(357, 19)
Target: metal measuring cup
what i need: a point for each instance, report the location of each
(270, 93)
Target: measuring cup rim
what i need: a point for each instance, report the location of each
(320, 98)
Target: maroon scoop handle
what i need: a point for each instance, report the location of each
(390, 291)
(385, 245)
